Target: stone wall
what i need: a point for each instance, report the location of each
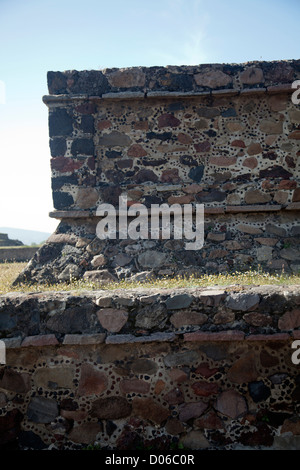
(198, 368)
(17, 254)
(222, 135)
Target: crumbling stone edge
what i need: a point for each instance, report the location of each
(233, 313)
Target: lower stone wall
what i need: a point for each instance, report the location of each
(17, 254)
(193, 369)
(232, 242)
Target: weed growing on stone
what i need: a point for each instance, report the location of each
(9, 271)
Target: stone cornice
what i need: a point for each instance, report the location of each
(50, 100)
(83, 214)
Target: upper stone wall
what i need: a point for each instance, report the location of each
(198, 78)
(222, 135)
(225, 136)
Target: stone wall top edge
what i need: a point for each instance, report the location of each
(172, 79)
(104, 316)
(52, 99)
(266, 289)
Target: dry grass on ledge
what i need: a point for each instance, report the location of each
(9, 272)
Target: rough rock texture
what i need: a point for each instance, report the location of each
(118, 315)
(81, 369)
(119, 369)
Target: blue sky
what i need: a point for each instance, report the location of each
(41, 35)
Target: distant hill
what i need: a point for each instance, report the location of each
(26, 236)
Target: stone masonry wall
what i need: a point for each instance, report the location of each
(222, 135)
(17, 254)
(198, 368)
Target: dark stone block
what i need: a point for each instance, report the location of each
(115, 176)
(158, 162)
(181, 81)
(148, 200)
(60, 123)
(208, 112)
(57, 183)
(179, 301)
(6, 321)
(196, 173)
(57, 83)
(10, 426)
(76, 319)
(211, 196)
(42, 410)
(90, 82)
(31, 441)
(14, 381)
(177, 106)
(87, 124)
(211, 133)
(230, 112)
(62, 200)
(113, 154)
(275, 172)
(58, 147)
(258, 391)
(168, 120)
(145, 175)
(83, 147)
(110, 195)
(160, 136)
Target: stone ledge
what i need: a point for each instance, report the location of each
(228, 335)
(254, 208)
(231, 313)
(268, 337)
(146, 94)
(96, 339)
(294, 206)
(128, 339)
(84, 339)
(40, 340)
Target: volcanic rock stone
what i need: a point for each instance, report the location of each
(252, 76)
(244, 369)
(242, 301)
(112, 319)
(230, 403)
(147, 408)
(42, 410)
(191, 410)
(258, 391)
(213, 79)
(144, 366)
(149, 317)
(85, 433)
(179, 301)
(111, 408)
(290, 320)
(92, 381)
(194, 440)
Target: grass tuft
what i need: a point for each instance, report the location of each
(9, 272)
